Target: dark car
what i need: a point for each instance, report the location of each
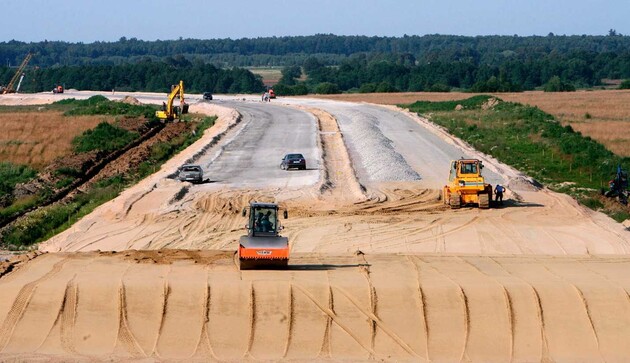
(293, 161)
(191, 173)
(207, 96)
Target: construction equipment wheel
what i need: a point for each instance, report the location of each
(263, 264)
(455, 201)
(484, 201)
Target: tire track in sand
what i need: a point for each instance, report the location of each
(21, 302)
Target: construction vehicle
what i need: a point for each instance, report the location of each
(168, 111)
(467, 185)
(263, 247)
(57, 89)
(618, 187)
(18, 74)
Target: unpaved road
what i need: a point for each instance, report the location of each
(380, 270)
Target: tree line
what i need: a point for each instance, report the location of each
(331, 63)
(400, 73)
(144, 76)
(292, 50)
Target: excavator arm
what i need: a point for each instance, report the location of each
(168, 111)
(9, 88)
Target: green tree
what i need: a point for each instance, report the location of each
(326, 88)
(555, 84)
(289, 75)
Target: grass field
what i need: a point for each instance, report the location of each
(602, 115)
(37, 138)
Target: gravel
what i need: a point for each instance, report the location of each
(379, 161)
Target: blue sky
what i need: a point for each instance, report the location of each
(103, 20)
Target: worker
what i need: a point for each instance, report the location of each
(163, 106)
(498, 191)
(265, 222)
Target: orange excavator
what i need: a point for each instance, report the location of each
(263, 247)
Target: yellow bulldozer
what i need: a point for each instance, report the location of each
(467, 185)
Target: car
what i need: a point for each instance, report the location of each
(207, 96)
(293, 161)
(191, 173)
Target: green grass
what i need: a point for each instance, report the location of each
(49, 221)
(529, 140)
(104, 137)
(12, 174)
(100, 105)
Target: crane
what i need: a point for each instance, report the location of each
(169, 112)
(18, 74)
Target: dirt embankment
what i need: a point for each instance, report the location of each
(196, 305)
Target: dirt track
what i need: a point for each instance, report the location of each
(379, 271)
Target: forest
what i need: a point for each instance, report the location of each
(330, 63)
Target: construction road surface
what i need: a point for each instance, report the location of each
(379, 268)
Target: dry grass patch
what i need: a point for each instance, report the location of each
(270, 76)
(603, 115)
(37, 138)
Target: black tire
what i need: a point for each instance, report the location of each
(455, 201)
(484, 201)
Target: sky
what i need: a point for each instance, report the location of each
(108, 20)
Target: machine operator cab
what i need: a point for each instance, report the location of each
(263, 219)
(467, 168)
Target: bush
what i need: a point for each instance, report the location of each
(367, 88)
(555, 84)
(11, 175)
(385, 87)
(296, 90)
(99, 105)
(439, 87)
(327, 88)
(104, 137)
(625, 84)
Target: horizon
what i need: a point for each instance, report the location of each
(125, 38)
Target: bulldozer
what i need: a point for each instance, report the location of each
(467, 185)
(263, 247)
(168, 111)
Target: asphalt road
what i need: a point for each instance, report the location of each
(395, 133)
(251, 154)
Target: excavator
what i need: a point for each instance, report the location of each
(263, 247)
(168, 111)
(19, 74)
(467, 185)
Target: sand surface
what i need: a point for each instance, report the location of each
(378, 270)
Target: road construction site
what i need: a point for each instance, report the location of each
(380, 268)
